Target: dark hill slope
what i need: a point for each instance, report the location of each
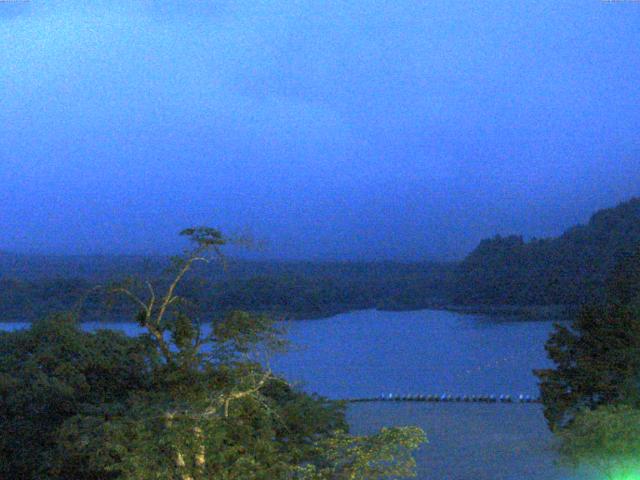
(571, 269)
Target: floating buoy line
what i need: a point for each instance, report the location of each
(448, 398)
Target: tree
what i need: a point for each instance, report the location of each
(606, 439)
(598, 357)
(206, 404)
(54, 372)
(597, 363)
(592, 398)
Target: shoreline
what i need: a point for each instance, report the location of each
(507, 312)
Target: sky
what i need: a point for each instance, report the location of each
(404, 130)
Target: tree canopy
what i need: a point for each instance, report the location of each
(572, 269)
(606, 439)
(184, 401)
(592, 396)
(597, 362)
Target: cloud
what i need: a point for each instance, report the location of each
(303, 113)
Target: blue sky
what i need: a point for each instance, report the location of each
(371, 129)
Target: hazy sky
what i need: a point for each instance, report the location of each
(332, 129)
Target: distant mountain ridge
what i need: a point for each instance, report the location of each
(571, 269)
(32, 287)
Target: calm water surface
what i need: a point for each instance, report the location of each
(369, 353)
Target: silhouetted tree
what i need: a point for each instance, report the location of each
(597, 358)
(597, 363)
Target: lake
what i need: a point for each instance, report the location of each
(371, 353)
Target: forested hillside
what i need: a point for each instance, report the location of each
(31, 287)
(571, 269)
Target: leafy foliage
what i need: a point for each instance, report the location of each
(373, 458)
(607, 439)
(180, 402)
(597, 363)
(592, 397)
(53, 372)
(598, 357)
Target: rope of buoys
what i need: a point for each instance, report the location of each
(448, 398)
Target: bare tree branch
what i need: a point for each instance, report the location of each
(133, 297)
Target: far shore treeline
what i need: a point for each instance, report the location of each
(503, 274)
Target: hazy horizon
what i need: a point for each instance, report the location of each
(260, 253)
(392, 131)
